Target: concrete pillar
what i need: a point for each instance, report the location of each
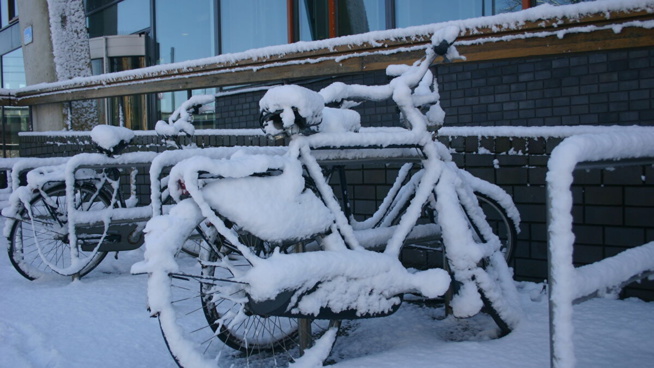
(39, 61)
(58, 50)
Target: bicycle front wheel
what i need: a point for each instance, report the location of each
(492, 275)
(45, 226)
(502, 225)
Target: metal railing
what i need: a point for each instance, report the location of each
(568, 284)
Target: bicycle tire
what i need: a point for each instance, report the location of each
(26, 235)
(501, 223)
(205, 316)
(493, 274)
(497, 218)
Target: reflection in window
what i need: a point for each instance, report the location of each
(8, 12)
(433, 11)
(13, 71)
(360, 16)
(248, 24)
(14, 119)
(205, 117)
(184, 32)
(314, 24)
(507, 6)
(176, 43)
(127, 111)
(125, 17)
(375, 14)
(167, 102)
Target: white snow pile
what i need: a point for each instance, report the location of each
(108, 137)
(338, 281)
(284, 102)
(273, 207)
(181, 120)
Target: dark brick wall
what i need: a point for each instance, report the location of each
(604, 88)
(613, 208)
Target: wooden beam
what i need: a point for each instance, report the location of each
(488, 43)
(552, 45)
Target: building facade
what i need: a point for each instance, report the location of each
(128, 34)
(584, 78)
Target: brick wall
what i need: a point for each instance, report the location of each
(613, 207)
(603, 88)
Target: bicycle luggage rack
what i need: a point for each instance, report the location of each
(281, 307)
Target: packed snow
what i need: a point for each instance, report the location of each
(109, 137)
(102, 321)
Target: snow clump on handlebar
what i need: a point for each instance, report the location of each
(291, 109)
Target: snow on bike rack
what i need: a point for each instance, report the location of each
(567, 283)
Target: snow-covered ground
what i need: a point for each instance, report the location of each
(101, 321)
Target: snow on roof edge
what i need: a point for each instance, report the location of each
(447, 131)
(505, 20)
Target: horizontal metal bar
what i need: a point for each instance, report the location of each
(603, 164)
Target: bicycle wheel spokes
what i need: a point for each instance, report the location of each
(44, 228)
(501, 225)
(210, 311)
(210, 307)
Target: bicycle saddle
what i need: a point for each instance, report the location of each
(111, 140)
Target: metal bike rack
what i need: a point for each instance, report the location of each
(623, 147)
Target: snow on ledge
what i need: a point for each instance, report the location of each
(543, 15)
(448, 131)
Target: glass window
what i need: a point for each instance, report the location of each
(507, 6)
(133, 16)
(167, 102)
(179, 43)
(360, 16)
(8, 12)
(96, 4)
(14, 119)
(4, 13)
(434, 11)
(248, 24)
(314, 24)
(176, 43)
(97, 66)
(126, 17)
(375, 14)
(13, 71)
(205, 118)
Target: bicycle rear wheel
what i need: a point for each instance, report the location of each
(45, 226)
(211, 310)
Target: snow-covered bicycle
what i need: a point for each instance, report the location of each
(89, 200)
(282, 263)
